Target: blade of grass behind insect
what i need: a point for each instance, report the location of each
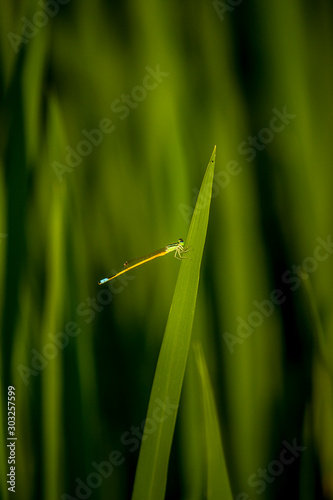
(151, 474)
(218, 485)
(321, 344)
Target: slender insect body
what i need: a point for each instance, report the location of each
(178, 248)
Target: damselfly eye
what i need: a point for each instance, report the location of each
(180, 240)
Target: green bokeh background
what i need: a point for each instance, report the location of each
(226, 68)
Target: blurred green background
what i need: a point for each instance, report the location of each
(109, 115)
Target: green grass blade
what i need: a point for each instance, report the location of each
(151, 474)
(320, 342)
(218, 485)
